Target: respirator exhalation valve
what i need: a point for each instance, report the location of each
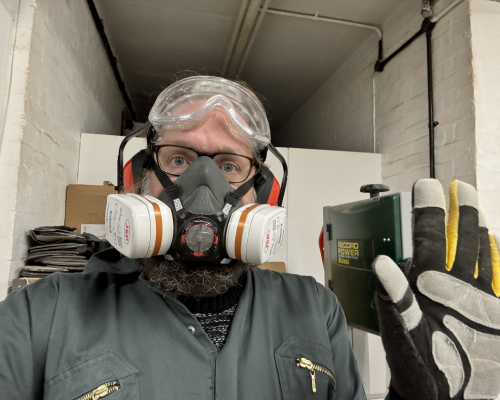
(200, 237)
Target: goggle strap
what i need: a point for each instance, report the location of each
(173, 190)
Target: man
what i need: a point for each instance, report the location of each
(194, 323)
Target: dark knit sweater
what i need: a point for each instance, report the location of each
(215, 314)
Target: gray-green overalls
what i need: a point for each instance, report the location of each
(107, 333)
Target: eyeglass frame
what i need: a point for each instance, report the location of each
(253, 161)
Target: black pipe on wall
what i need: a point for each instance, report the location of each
(112, 59)
(430, 95)
(427, 27)
(381, 63)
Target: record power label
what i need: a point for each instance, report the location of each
(349, 253)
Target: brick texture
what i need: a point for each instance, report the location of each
(359, 109)
(71, 89)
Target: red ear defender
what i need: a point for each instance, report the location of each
(128, 178)
(267, 187)
(275, 192)
(133, 170)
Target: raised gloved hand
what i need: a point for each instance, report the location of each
(440, 325)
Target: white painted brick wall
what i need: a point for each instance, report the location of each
(71, 89)
(405, 137)
(8, 19)
(340, 114)
(10, 147)
(485, 23)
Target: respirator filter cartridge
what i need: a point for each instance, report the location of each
(255, 233)
(138, 226)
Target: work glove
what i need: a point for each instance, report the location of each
(440, 322)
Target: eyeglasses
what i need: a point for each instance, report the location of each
(174, 160)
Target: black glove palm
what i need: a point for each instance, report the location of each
(441, 325)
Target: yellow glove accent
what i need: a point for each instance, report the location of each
(476, 270)
(495, 261)
(452, 227)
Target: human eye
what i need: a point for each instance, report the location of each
(175, 160)
(178, 161)
(229, 168)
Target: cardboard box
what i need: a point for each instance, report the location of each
(277, 266)
(86, 204)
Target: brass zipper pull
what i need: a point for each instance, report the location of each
(104, 390)
(313, 379)
(101, 391)
(305, 363)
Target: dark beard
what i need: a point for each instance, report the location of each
(191, 279)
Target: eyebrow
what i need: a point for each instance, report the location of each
(180, 142)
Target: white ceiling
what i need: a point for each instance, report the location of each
(289, 60)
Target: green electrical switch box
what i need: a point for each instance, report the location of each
(354, 234)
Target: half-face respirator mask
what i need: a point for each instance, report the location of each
(199, 216)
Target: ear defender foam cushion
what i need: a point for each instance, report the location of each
(128, 177)
(267, 188)
(133, 170)
(275, 192)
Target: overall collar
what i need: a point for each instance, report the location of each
(110, 260)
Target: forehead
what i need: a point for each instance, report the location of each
(213, 136)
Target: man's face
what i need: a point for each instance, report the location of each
(213, 136)
(198, 279)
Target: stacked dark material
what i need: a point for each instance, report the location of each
(59, 249)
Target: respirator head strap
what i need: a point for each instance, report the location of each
(232, 198)
(173, 190)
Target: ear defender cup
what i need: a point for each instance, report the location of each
(134, 168)
(267, 187)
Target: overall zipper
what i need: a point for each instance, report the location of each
(305, 363)
(101, 391)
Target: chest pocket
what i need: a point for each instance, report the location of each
(305, 370)
(106, 377)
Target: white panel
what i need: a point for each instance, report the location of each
(275, 166)
(485, 25)
(99, 155)
(307, 191)
(319, 178)
(370, 355)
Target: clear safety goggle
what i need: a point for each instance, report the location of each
(187, 103)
